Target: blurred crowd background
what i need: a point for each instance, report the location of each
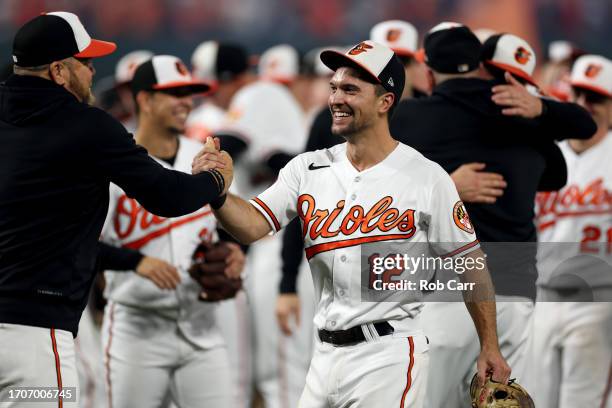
(178, 26)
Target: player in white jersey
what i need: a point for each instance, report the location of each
(267, 121)
(162, 345)
(370, 189)
(226, 67)
(571, 353)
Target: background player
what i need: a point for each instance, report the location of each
(571, 343)
(159, 344)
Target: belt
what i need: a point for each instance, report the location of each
(353, 335)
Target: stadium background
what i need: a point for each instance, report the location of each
(178, 26)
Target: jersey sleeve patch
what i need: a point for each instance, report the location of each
(461, 218)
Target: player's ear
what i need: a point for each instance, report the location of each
(386, 102)
(143, 100)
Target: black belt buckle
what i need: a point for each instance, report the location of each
(353, 335)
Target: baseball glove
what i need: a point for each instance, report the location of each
(496, 395)
(208, 270)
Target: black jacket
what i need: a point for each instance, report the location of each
(460, 124)
(57, 158)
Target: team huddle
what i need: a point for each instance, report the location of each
(352, 156)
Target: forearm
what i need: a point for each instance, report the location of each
(480, 301)
(564, 120)
(241, 220)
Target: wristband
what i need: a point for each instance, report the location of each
(218, 202)
(219, 179)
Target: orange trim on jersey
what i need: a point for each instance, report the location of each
(409, 374)
(269, 212)
(139, 243)
(107, 356)
(545, 225)
(463, 248)
(606, 393)
(58, 371)
(345, 243)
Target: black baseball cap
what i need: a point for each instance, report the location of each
(53, 37)
(451, 48)
(215, 61)
(378, 61)
(165, 72)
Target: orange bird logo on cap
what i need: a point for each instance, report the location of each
(360, 48)
(592, 70)
(393, 34)
(522, 55)
(181, 68)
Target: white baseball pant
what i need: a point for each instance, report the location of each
(388, 371)
(36, 357)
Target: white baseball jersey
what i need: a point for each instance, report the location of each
(405, 199)
(204, 120)
(173, 240)
(579, 212)
(269, 119)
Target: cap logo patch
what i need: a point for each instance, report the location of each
(393, 34)
(461, 218)
(592, 70)
(522, 55)
(390, 82)
(463, 68)
(181, 68)
(360, 48)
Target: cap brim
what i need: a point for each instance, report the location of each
(514, 71)
(591, 87)
(334, 60)
(196, 87)
(420, 55)
(97, 48)
(403, 52)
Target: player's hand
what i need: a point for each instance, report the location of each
(516, 99)
(491, 363)
(235, 261)
(477, 186)
(211, 158)
(287, 305)
(161, 273)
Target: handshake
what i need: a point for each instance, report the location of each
(212, 158)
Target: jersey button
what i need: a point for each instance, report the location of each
(343, 258)
(341, 293)
(353, 196)
(357, 179)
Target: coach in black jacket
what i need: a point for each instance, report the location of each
(57, 157)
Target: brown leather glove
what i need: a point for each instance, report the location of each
(208, 270)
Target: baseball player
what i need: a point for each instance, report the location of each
(571, 348)
(368, 353)
(226, 67)
(163, 344)
(124, 72)
(271, 134)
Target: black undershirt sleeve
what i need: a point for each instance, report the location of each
(117, 258)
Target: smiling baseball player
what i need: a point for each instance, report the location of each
(370, 189)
